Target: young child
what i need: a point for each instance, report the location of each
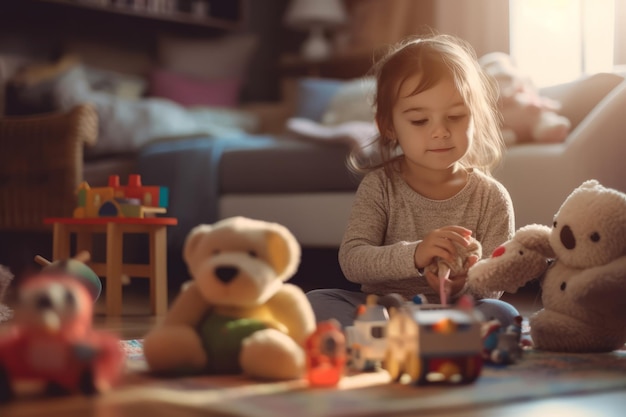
(439, 137)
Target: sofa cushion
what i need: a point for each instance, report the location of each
(193, 91)
(314, 96)
(354, 101)
(198, 171)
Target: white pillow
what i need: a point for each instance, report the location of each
(354, 101)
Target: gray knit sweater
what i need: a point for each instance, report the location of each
(389, 219)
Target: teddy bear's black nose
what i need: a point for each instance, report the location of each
(226, 273)
(567, 238)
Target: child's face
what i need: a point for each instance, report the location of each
(433, 127)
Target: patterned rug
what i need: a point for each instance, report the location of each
(538, 375)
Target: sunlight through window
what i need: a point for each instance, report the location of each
(555, 41)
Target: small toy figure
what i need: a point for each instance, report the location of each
(509, 349)
(367, 337)
(52, 344)
(326, 354)
(78, 268)
(502, 346)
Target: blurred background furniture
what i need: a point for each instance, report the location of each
(539, 176)
(41, 164)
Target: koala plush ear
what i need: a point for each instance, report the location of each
(283, 251)
(192, 240)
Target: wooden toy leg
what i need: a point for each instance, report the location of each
(158, 270)
(60, 242)
(114, 269)
(84, 241)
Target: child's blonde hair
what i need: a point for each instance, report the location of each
(434, 57)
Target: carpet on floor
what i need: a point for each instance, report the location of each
(537, 375)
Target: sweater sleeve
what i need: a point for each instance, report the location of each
(363, 255)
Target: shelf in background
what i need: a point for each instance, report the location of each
(235, 12)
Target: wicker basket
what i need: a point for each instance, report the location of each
(41, 165)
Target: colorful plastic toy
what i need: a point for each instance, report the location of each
(326, 354)
(367, 338)
(76, 267)
(502, 346)
(52, 345)
(432, 343)
(114, 200)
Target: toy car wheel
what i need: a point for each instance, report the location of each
(87, 384)
(413, 366)
(392, 365)
(6, 390)
(472, 368)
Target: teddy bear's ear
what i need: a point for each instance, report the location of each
(283, 251)
(193, 238)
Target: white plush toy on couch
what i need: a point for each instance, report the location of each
(527, 116)
(584, 288)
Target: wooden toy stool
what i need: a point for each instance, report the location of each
(114, 268)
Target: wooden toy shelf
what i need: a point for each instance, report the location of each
(221, 14)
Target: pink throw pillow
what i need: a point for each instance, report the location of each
(192, 91)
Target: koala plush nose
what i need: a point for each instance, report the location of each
(567, 238)
(498, 251)
(226, 273)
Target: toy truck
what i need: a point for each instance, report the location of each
(431, 343)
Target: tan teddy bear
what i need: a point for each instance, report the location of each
(237, 314)
(584, 288)
(527, 116)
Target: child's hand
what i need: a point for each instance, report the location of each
(438, 242)
(453, 284)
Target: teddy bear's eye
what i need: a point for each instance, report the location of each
(521, 252)
(595, 236)
(216, 252)
(253, 254)
(554, 224)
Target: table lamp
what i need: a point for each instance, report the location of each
(315, 16)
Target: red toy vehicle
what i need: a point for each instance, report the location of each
(52, 346)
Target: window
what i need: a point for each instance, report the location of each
(555, 41)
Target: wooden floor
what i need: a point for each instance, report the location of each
(136, 321)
